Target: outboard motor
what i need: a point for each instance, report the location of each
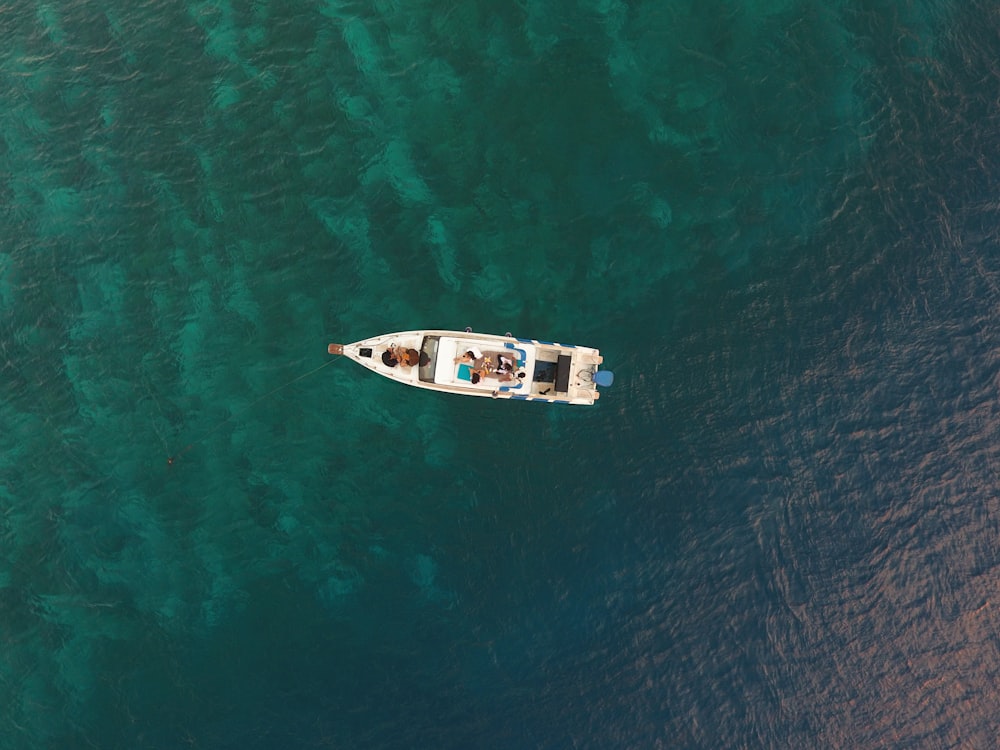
(604, 378)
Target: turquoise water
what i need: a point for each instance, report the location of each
(777, 220)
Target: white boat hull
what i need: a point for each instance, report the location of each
(482, 364)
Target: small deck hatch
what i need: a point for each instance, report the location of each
(562, 373)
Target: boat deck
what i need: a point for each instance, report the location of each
(501, 366)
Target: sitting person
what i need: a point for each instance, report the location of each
(501, 365)
(505, 366)
(397, 355)
(409, 357)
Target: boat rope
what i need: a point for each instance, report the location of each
(172, 459)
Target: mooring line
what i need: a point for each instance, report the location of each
(172, 459)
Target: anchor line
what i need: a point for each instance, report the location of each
(172, 459)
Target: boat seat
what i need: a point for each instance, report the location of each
(563, 373)
(522, 356)
(444, 370)
(448, 371)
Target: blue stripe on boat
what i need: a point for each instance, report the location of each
(554, 343)
(521, 353)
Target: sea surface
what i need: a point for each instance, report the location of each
(779, 221)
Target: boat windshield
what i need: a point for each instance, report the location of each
(428, 358)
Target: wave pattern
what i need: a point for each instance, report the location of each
(777, 219)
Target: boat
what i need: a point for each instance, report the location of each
(482, 364)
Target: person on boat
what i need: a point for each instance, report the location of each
(501, 365)
(505, 367)
(470, 356)
(397, 355)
